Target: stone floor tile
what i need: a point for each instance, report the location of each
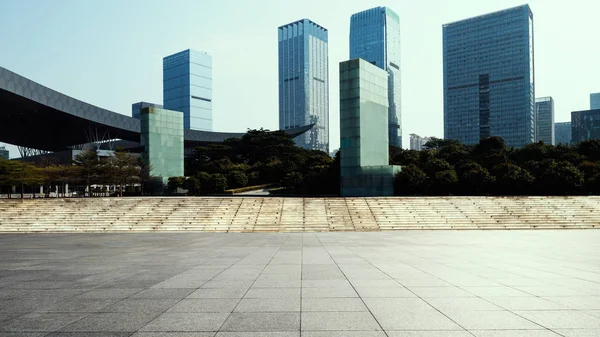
(147, 305)
(181, 322)
(273, 293)
(490, 320)
(328, 292)
(163, 293)
(339, 321)
(218, 293)
(332, 304)
(110, 322)
(34, 322)
(514, 333)
(223, 305)
(256, 322)
(268, 305)
(562, 319)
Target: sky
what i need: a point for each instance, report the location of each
(109, 53)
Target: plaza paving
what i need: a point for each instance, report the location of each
(455, 284)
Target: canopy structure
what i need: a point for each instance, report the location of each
(37, 117)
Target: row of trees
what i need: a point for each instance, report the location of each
(123, 170)
(259, 157)
(448, 167)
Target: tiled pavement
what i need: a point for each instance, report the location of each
(439, 284)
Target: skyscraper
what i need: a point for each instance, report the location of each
(544, 114)
(563, 133)
(375, 38)
(304, 82)
(489, 86)
(417, 142)
(595, 101)
(585, 125)
(187, 87)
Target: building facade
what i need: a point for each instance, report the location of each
(4, 153)
(562, 133)
(187, 87)
(417, 142)
(364, 149)
(489, 84)
(162, 138)
(544, 114)
(585, 125)
(304, 82)
(375, 38)
(136, 108)
(595, 101)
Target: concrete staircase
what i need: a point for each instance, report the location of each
(255, 214)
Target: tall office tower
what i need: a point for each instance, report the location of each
(304, 82)
(417, 142)
(187, 87)
(364, 149)
(563, 133)
(136, 108)
(544, 114)
(375, 38)
(489, 87)
(4, 153)
(595, 101)
(585, 125)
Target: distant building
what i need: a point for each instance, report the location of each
(375, 38)
(417, 142)
(136, 108)
(489, 87)
(562, 133)
(187, 87)
(4, 153)
(595, 101)
(304, 82)
(364, 156)
(544, 114)
(585, 125)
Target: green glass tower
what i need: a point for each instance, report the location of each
(162, 138)
(365, 169)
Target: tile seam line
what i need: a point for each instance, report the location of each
(429, 304)
(138, 330)
(261, 272)
(353, 288)
(459, 287)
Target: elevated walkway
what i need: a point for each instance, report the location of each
(257, 214)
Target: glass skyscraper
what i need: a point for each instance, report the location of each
(563, 133)
(304, 82)
(585, 125)
(489, 85)
(375, 38)
(187, 87)
(595, 101)
(544, 112)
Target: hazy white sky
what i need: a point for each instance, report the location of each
(109, 53)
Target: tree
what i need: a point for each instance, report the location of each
(175, 183)
(445, 182)
(90, 166)
(192, 184)
(237, 179)
(292, 181)
(561, 178)
(590, 149)
(217, 183)
(122, 167)
(512, 179)
(410, 181)
(474, 179)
